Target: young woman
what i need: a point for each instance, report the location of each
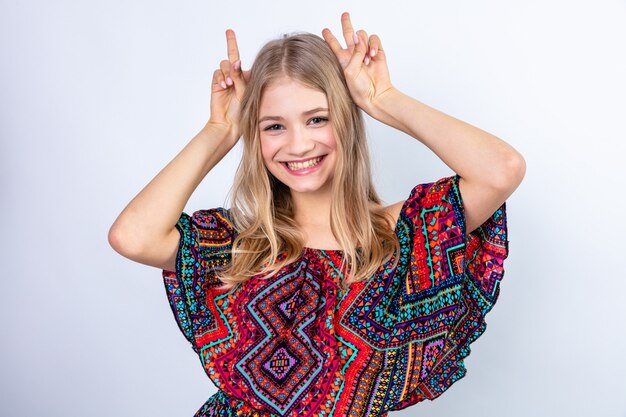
(308, 297)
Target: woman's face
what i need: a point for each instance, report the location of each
(297, 139)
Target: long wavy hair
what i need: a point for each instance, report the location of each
(262, 210)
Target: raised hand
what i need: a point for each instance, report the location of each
(364, 64)
(227, 90)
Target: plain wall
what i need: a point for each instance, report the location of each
(96, 97)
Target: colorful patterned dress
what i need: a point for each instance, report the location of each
(299, 344)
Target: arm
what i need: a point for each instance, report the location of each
(490, 169)
(474, 154)
(145, 230)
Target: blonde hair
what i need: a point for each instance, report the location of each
(261, 206)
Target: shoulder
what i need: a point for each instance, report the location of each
(393, 210)
(212, 218)
(212, 225)
(424, 196)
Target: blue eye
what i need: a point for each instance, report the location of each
(318, 120)
(273, 127)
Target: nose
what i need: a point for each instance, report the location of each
(300, 143)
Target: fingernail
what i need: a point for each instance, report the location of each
(237, 65)
(223, 84)
(366, 60)
(229, 81)
(355, 38)
(373, 53)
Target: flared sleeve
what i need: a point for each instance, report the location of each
(451, 281)
(205, 242)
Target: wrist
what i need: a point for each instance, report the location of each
(387, 106)
(226, 131)
(382, 104)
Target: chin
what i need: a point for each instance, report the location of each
(310, 188)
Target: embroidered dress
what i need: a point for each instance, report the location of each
(298, 344)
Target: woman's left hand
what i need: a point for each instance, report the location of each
(364, 65)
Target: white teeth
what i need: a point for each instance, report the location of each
(302, 165)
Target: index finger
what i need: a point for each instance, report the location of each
(231, 45)
(348, 31)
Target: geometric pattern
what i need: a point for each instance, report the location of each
(280, 363)
(299, 344)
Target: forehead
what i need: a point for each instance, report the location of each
(286, 95)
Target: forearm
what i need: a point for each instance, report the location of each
(153, 213)
(472, 153)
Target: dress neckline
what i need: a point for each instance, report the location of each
(322, 250)
(339, 251)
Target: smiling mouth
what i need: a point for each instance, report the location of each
(296, 166)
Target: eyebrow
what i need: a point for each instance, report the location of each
(306, 113)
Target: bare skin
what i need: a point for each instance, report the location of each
(145, 230)
(490, 169)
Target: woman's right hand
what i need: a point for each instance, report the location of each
(227, 90)
(145, 230)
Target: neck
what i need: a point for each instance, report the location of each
(312, 209)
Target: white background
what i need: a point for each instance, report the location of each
(97, 96)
